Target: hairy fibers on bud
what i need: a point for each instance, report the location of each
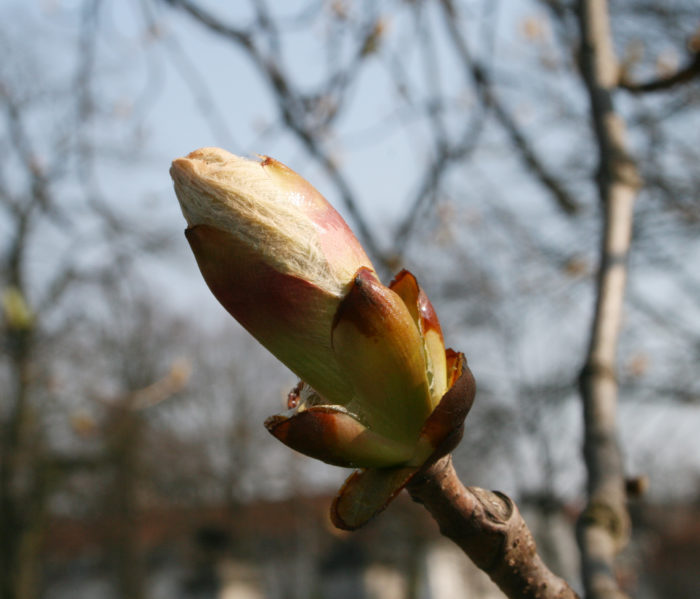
(237, 195)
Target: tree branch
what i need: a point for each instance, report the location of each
(603, 527)
(488, 527)
(683, 75)
(484, 88)
(291, 105)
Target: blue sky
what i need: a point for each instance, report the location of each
(166, 92)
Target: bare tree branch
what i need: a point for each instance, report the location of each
(603, 527)
(447, 152)
(682, 75)
(293, 109)
(484, 88)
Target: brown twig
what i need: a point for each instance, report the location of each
(488, 527)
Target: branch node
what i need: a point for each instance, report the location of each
(614, 521)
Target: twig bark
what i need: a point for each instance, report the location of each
(604, 524)
(488, 527)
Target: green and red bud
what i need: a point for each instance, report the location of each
(379, 390)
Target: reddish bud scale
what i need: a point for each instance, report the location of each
(335, 436)
(377, 341)
(406, 285)
(311, 433)
(428, 315)
(361, 301)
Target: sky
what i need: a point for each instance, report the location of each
(167, 90)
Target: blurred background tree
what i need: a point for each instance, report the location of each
(456, 138)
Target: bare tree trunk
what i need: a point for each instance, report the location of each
(125, 448)
(603, 527)
(22, 482)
